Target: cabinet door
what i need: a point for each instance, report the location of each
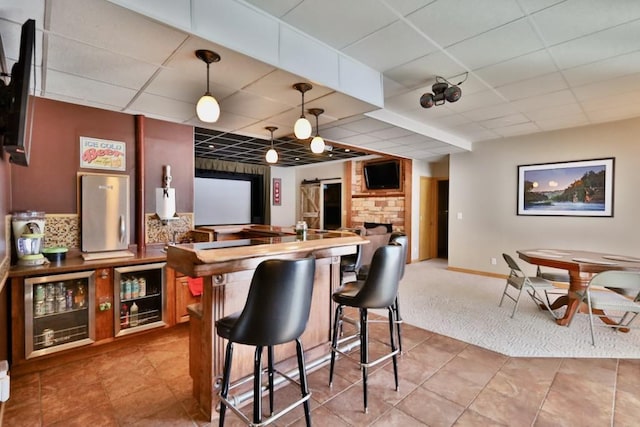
(184, 298)
(104, 303)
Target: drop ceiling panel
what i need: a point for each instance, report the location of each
(160, 107)
(390, 133)
(227, 122)
(115, 29)
(533, 103)
(576, 18)
(275, 7)
(521, 68)
(555, 113)
(509, 120)
(611, 88)
(366, 125)
(83, 90)
(449, 22)
(349, 20)
(251, 106)
(395, 44)
(606, 70)
(563, 122)
(339, 106)
(278, 85)
(497, 45)
(532, 87)
(71, 57)
(531, 6)
(424, 70)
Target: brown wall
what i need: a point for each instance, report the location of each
(4, 257)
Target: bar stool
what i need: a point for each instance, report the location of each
(378, 290)
(351, 263)
(403, 241)
(276, 311)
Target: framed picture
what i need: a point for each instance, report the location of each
(277, 191)
(102, 154)
(575, 188)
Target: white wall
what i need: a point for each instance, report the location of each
(285, 214)
(483, 187)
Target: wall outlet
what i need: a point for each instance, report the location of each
(494, 261)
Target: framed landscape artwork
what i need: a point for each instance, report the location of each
(575, 188)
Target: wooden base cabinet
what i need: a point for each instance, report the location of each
(184, 298)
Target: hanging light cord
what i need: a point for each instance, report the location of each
(302, 111)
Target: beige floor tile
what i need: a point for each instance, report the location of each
(508, 410)
(430, 408)
(396, 418)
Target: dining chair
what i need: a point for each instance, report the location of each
(617, 292)
(534, 285)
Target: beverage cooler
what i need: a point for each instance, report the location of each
(139, 295)
(59, 312)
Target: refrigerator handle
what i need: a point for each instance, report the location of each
(122, 228)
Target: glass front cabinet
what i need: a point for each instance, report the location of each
(139, 298)
(59, 312)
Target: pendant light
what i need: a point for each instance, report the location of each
(272, 154)
(302, 128)
(317, 143)
(208, 109)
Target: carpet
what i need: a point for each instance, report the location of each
(465, 307)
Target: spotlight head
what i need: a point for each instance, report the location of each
(426, 100)
(439, 88)
(452, 93)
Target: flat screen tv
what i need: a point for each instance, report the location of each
(15, 103)
(382, 175)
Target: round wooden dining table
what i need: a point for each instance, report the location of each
(581, 265)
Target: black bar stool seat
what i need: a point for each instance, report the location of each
(378, 290)
(276, 312)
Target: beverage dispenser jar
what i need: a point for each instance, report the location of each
(28, 232)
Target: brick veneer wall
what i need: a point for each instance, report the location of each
(375, 206)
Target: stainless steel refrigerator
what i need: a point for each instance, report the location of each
(105, 212)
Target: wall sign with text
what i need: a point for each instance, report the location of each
(102, 154)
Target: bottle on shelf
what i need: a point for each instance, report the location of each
(142, 284)
(135, 288)
(127, 289)
(124, 317)
(133, 320)
(79, 297)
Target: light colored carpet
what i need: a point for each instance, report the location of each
(465, 307)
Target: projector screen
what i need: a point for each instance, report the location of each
(221, 201)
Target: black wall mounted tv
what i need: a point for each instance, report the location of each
(16, 106)
(382, 175)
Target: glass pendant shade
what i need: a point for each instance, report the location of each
(317, 144)
(271, 156)
(302, 128)
(208, 109)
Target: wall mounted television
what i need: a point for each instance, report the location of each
(382, 175)
(16, 106)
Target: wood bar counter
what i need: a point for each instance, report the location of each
(227, 267)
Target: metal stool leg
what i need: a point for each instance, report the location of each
(270, 373)
(398, 321)
(304, 387)
(257, 386)
(226, 375)
(393, 323)
(334, 341)
(364, 353)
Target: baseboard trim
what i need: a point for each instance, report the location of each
(477, 272)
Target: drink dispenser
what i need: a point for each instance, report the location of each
(28, 232)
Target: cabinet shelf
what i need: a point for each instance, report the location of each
(141, 298)
(62, 336)
(59, 313)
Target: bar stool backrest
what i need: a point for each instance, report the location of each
(403, 240)
(278, 304)
(381, 285)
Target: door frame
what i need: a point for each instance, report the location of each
(428, 220)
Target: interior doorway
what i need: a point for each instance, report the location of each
(331, 205)
(434, 218)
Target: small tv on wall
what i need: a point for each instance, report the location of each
(382, 175)
(15, 103)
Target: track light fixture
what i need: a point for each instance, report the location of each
(443, 91)
(317, 143)
(272, 154)
(208, 109)
(302, 128)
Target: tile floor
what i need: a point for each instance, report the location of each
(443, 382)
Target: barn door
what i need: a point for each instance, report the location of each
(310, 203)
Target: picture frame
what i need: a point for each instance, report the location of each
(572, 188)
(104, 154)
(277, 191)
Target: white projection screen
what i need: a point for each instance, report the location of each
(221, 201)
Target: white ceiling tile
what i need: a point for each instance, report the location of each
(448, 22)
(535, 5)
(563, 122)
(113, 28)
(366, 140)
(338, 133)
(394, 44)
(631, 98)
(424, 70)
(575, 18)
(605, 70)
(85, 90)
(278, 86)
(555, 112)
(505, 121)
(247, 105)
(619, 112)
(71, 57)
(537, 86)
(475, 132)
(227, 122)
(595, 47)
(349, 20)
(275, 7)
(159, 107)
(523, 67)
(476, 100)
(339, 105)
(519, 129)
(366, 125)
(608, 88)
(562, 97)
(411, 139)
(451, 121)
(390, 133)
(490, 112)
(497, 45)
